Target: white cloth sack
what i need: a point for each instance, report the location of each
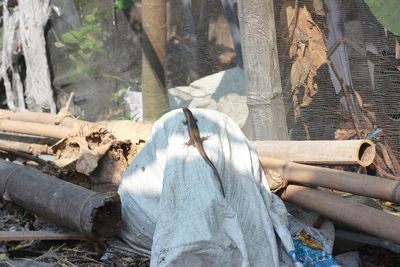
(172, 206)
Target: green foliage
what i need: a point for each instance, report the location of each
(125, 116)
(122, 4)
(84, 43)
(119, 93)
(386, 11)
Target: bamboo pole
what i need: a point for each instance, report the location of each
(345, 211)
(359, 184)
(34, 128)
(331, 152)
(35, 149)
(38, 117)
(96, 215)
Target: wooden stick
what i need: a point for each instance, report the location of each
(335, 152)
(359, 216)
(359, 184)
(347, 98)
(40, 235)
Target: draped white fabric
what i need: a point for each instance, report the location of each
(172, 204)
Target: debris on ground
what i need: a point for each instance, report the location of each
(89, 154)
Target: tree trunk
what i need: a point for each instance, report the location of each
(33, 16)
(261, 66)
(155, 98)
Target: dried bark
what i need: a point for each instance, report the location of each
(103, 152)
(308, 50)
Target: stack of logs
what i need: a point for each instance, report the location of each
(287, 165)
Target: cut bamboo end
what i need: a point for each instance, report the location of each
(366, 153)
(331, 152)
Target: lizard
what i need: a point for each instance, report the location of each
(197, 142)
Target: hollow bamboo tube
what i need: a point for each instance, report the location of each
(35, 149)
(96, 215)
(330, 152)
(37, 117)
(359, 216)
(359, 184)
(34, 128)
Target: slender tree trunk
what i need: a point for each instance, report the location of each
(200, 9)
(33, 17)
(231, 17)
(398, 52)
(261, 66)
(155, 98)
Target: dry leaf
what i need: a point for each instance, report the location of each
(386, 156)
(344, 134)
(387, 203)
(319, 8)
(309, 52)
(308, 241)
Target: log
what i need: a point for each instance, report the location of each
(359, 184)
(361, 217)
(34, 128)
(96, 215)
(332, 152)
